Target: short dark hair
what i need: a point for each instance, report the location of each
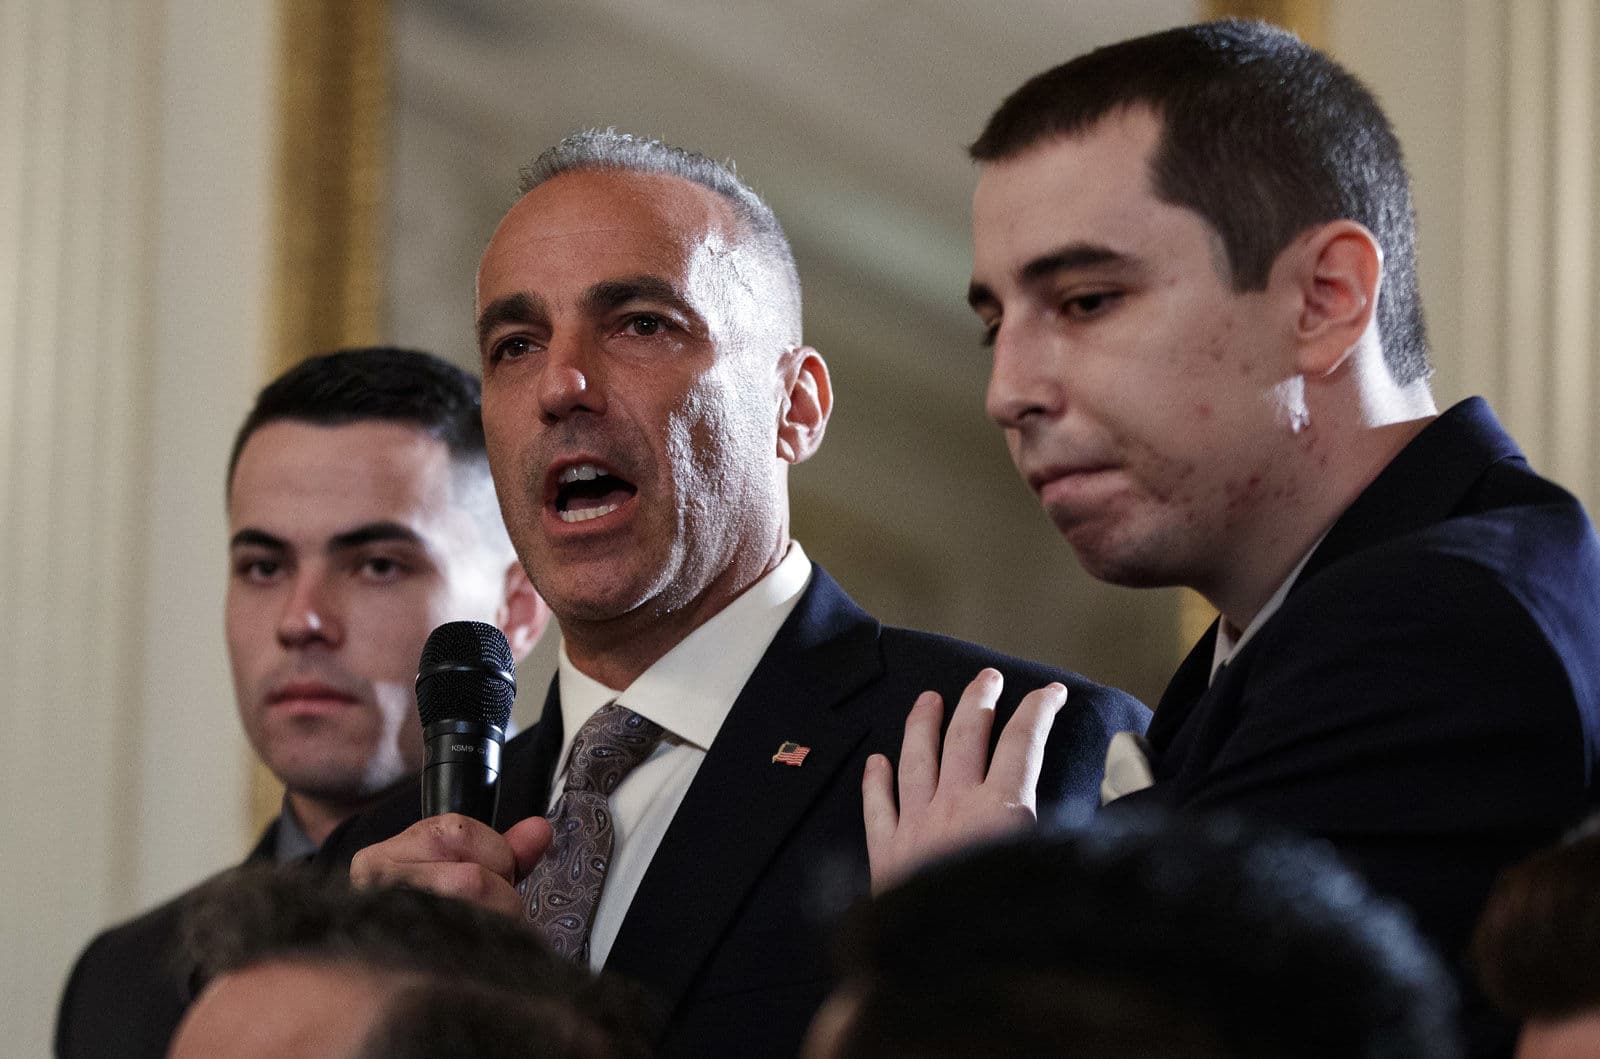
(1140, 936)
(382, 383)
(609, 149)
(1263, 137)
(1535, 946)
(293, 913)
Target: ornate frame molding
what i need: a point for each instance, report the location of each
(330, 227)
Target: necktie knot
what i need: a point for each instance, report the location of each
(609, 745)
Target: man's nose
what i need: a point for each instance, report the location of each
(310, 613)
(573, 379)
(1023, 382)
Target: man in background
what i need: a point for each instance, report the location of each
(361, 515)
(646, 392)
(1194, 260)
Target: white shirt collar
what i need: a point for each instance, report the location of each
(690, 689)
(1227, 646)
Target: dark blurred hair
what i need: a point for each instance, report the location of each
(437, 1018)
(1537, 946)
(1143, 938)
(1263, 136)
(291, 913)
(375, 383)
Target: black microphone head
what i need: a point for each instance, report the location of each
(466, 673)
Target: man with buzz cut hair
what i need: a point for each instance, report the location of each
(1194, 257)
(361, 515)
(686, 813)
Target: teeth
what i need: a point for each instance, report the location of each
(587, 513)
(579, 472)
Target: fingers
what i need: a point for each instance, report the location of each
(451, 855)
(465, 881)
(528, 840)
(950, 801)
(919, 751)
(877, 808)
(1019, 755)
(966, 744)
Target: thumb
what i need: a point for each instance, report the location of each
(528, 840)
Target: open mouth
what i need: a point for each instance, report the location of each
(585, 491)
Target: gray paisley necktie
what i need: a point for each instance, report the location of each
(561, 892)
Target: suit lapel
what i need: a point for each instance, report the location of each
(1184, 692)
(1420, 486)
(529, 767)
(741, 807)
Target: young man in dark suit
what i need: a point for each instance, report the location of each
(646, 391)
(361, 515)
(1194, 259)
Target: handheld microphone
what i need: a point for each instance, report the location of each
(466, 682)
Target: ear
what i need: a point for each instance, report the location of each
(1339, 272)
(523, 613)
(803, 417)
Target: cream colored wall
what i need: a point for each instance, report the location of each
(1412, 56)
(1496, 103)
(134, 189)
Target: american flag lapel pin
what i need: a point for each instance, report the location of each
(791, 754)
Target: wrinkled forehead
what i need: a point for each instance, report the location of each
(577, 232)
(581, 223)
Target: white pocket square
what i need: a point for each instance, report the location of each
(1127, 767)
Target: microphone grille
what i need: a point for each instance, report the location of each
(466, 673)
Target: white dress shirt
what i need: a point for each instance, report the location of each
(688, 692)
(1227, 644)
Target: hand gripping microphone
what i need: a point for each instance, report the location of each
(466, 683)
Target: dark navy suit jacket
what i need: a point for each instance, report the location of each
(1428, 697)
(729, 925)
(130, 987)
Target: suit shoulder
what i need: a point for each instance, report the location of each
(947, 660)
(128, 988)
(1427, 632)
(1481, 574)
(133, 941)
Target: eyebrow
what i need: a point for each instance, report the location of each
(607, 295)
(519, 308)
(1073, 255)
(372, 533)
(614, 293)
(254, 538)
(369, 533)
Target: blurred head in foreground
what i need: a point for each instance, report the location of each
(1138, 938)
(299, 964)
(1537, 949)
